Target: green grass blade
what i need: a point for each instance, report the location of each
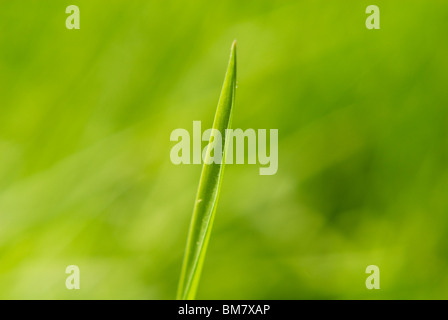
(208, 192)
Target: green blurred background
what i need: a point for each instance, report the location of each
(85, 171)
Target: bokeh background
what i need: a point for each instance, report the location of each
(86, 177)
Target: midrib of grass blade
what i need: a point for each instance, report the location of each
(208, 192)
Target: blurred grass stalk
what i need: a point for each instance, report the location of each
(208, 191)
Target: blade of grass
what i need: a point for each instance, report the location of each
(208, 191)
